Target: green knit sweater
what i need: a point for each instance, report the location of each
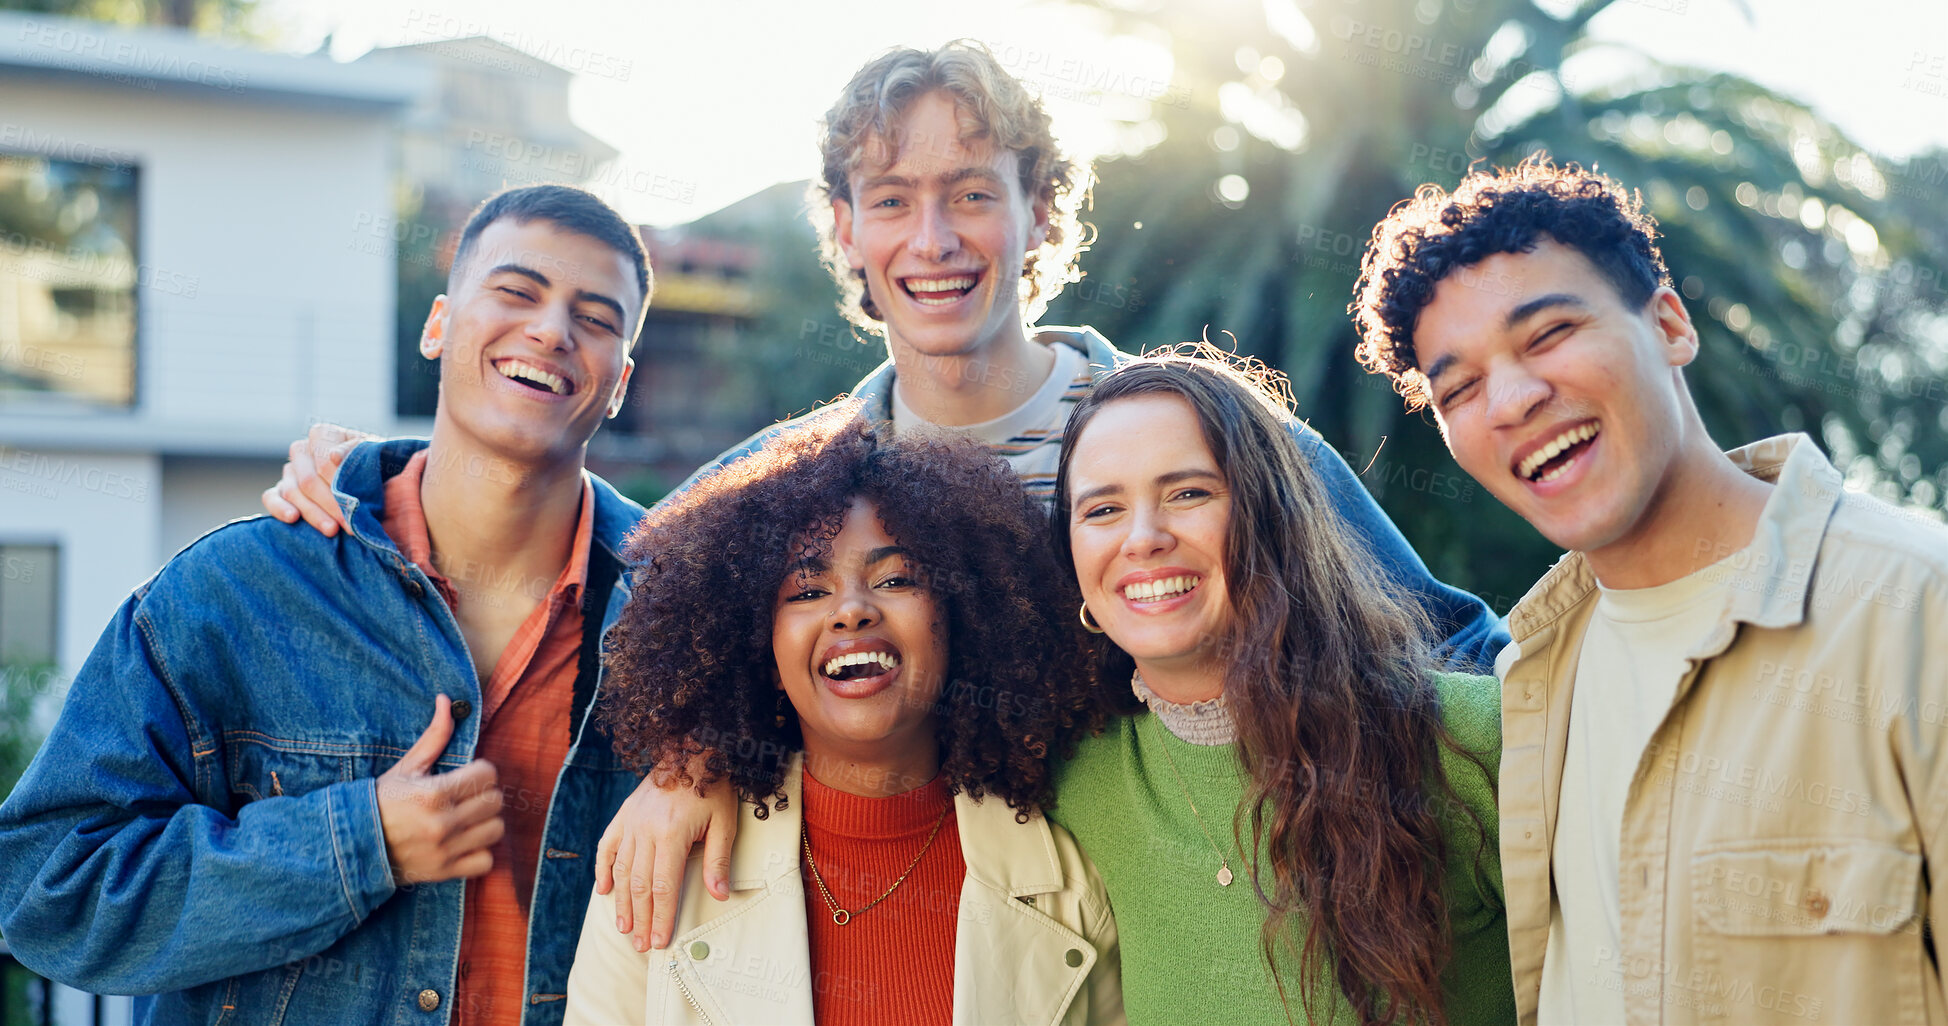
(1191, 949)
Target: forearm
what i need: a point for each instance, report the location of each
(1470, 633)
(147, 899)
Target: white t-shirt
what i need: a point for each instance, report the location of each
(1626, 678)
(1029, 437)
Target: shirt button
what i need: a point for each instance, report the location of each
(699, 950)
(461, 710)
(1072, 957)
(1816, 904)
(429, 1000)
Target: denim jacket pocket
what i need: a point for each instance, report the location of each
(1809, 929)
(263, 766)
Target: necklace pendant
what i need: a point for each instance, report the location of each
(1224, 875)
(842, 917)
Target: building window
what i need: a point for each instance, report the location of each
(68, 275)
(28, 576)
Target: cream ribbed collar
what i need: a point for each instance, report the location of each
(1205, 723)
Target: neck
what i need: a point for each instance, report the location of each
(1705, 509)
(1183, 684)
(990, 381)
(493, 519)
(872, 771)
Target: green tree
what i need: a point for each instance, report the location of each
(232, 18)
(1814, 270)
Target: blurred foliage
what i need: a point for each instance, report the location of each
(22, 686)
(232, 19)
(1817, 274)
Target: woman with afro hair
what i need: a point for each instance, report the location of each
(864, 635)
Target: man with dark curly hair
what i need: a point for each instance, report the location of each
(1723, 771)
(949, 217)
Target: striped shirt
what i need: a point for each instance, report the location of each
(1029, 437)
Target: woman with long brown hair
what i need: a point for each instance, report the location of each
(1298, 821)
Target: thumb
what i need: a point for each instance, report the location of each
(425, 752)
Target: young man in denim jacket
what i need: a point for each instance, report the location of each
(243, 812)
(1724, 779)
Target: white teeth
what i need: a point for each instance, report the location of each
(1168, 587)
(885, 660)
(552, 382)
(922, 287)
(1556, 445)
(939, 284)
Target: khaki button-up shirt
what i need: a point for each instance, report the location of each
(1785, 821)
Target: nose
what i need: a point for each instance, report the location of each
(855, 611)
(1149, 534)
(1514, 395)
(933, 237)
(550, 326)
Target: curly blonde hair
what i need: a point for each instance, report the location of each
(992, 105)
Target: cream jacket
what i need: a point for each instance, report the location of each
(1789, 812)
(1035, 943)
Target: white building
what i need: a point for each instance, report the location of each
(222, 276)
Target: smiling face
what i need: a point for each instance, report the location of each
(860, 647)
(1563, 402)
(941, 232)
(1150, 513)
(534, 341)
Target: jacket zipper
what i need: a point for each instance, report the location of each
(677, 979)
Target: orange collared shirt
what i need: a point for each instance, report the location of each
(524, 731)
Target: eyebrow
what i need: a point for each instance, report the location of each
(1170, 478)
(954, 177)
(819, 564)
(1515, 316)
(581, 295)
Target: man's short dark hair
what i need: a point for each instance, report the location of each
(572, 209)
(1506, 210)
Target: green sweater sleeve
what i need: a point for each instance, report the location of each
(1479, 984)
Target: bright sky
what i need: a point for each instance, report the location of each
(726, 95)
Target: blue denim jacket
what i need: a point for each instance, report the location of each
(1473, 633)
(202, 823)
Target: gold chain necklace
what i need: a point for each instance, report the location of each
(1224, 861)
(841, 916)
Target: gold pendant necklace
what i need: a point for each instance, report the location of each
(840, 915)
(1224, 861)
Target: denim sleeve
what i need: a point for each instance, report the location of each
(1472, 631)
(120, 870)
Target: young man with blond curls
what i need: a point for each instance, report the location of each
(949, 219)
(1724, 787)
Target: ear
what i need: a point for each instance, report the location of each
(1038, 231)
(432, 336)
(622, 387)
(842, 233)
(1679, 337)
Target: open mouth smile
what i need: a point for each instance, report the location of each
(535, 377)
(940, 290)
(1553, 458)
(1162, 589)
(859, 668)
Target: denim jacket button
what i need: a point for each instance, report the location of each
(461, 710)
(429, 1000)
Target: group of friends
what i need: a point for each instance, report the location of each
(1035, 682)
